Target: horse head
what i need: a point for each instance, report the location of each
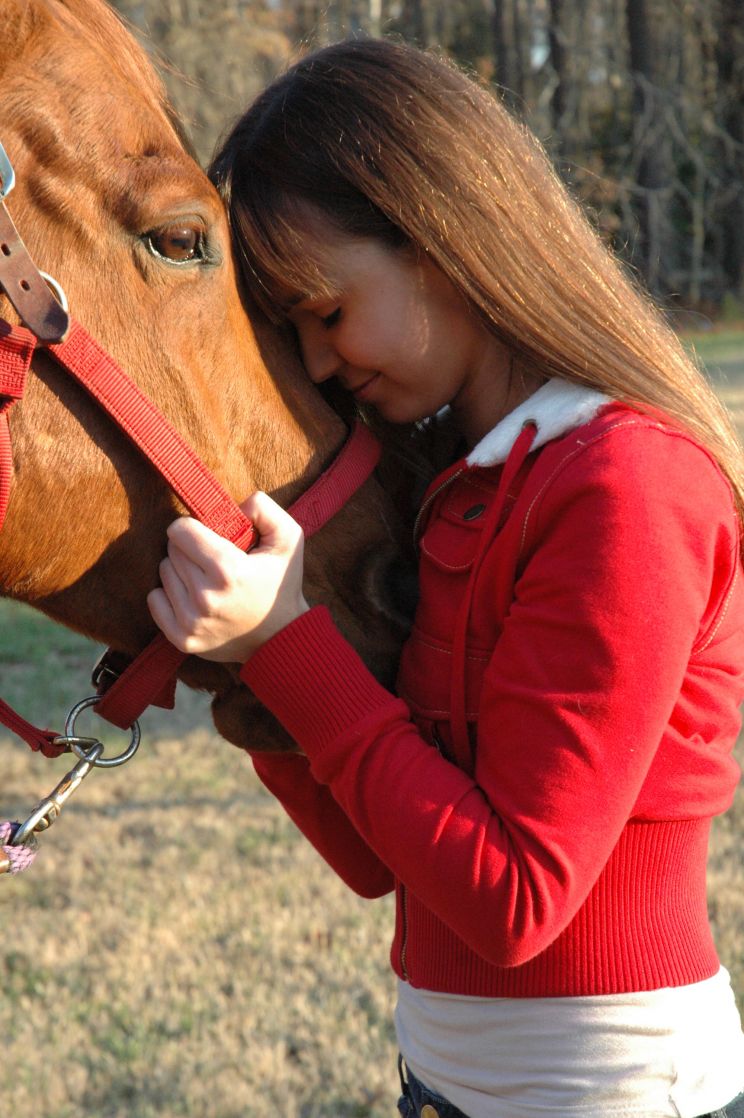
(110, 201)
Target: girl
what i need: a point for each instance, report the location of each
(540, 791)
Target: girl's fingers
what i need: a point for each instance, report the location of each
(191, 575)
(162, 613)
(170, 606)
(177, 586)
(199, 544)
(276, 529)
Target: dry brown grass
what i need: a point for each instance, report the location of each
(177, 949)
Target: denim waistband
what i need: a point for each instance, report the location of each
(419, 1101)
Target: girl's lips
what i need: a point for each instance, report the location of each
(361, 392)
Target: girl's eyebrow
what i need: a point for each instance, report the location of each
(292, 301)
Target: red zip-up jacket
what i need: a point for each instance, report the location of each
(602, 670)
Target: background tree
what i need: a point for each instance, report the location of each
(639, 102)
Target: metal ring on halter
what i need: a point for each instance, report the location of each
(57, 291)
(76, 743)
(7, 174)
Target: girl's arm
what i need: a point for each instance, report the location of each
(313, 809)
(214, 596)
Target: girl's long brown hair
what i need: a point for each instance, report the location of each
(392, 142)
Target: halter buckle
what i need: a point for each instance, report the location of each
(7, 174)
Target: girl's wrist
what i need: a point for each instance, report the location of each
(277, 621)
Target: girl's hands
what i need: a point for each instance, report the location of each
(218, 602)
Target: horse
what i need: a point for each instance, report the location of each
(111, 202)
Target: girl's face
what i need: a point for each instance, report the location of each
(399, 336)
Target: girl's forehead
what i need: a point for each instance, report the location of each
(346, 266)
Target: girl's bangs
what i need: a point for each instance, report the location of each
(282, 255)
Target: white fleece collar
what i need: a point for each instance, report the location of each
(557, 407)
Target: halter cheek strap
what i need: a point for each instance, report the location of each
(15, 359)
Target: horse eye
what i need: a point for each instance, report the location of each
(179, 244)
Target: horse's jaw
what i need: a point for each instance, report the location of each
(241, 719)
(238, 716)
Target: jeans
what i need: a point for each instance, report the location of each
(416, 1097)
(735, 1109)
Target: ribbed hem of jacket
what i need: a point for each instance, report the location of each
(644, 926)
(314, 682)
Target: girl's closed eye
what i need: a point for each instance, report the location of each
(330, 320)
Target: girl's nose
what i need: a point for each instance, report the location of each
(318, 353)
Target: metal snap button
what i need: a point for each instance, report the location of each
(473, 512)
(429, 1111)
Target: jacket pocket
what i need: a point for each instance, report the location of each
(424, 681)
(451, 539)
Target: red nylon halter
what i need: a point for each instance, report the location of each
(150, 677)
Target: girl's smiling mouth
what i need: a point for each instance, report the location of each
(361, 390)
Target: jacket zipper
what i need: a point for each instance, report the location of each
(427, 503)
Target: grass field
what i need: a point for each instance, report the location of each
(722, 353)
(177, 950)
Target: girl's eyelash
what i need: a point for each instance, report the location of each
(331, 319)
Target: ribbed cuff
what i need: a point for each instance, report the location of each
(313, 681)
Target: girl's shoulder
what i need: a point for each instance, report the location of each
(632, 448)
(631, 472)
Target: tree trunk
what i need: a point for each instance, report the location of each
(375, 17)
(520, 51)
(730, 61)
(502, 50)
(653, 170)
(559, 97)
(418, 21)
